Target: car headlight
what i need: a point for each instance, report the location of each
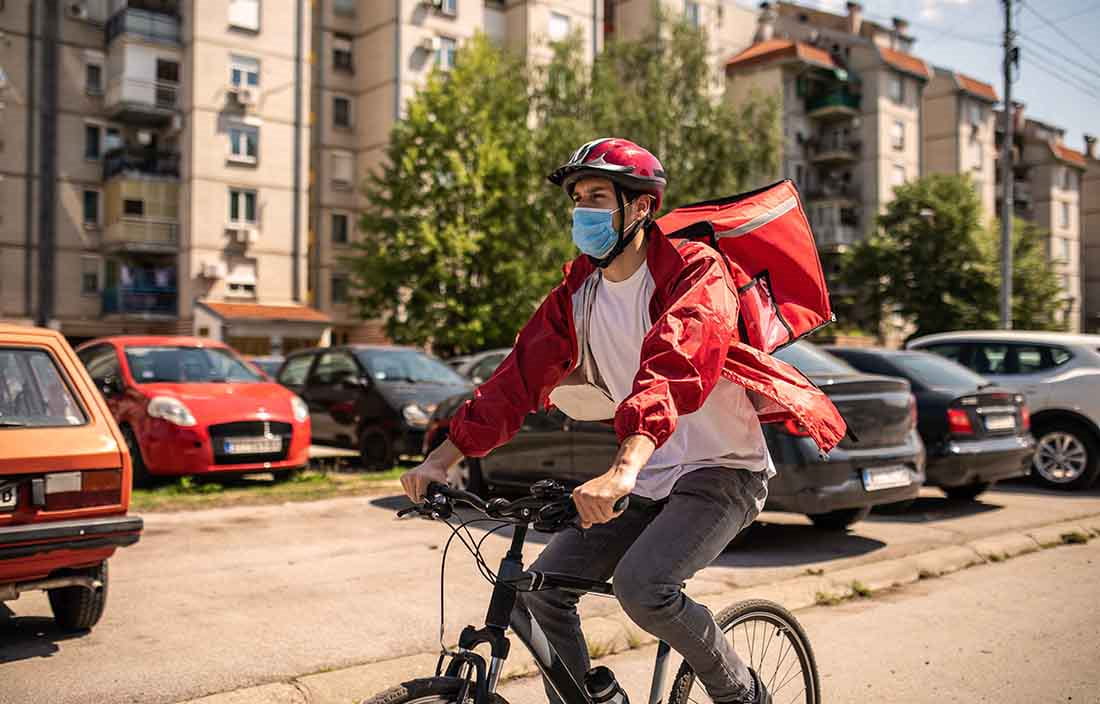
(415, 414)
(171, 410)
(300, 409)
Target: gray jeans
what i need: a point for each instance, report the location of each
(651, 550)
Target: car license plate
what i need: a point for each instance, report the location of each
(878, 478)
(252, 446)
(9, 494)
(1000, 423)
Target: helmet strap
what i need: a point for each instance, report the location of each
(625, 237)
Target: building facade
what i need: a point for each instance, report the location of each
(1090, 237)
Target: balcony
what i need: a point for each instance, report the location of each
(833, 190)
(834, 150)
(150, 26)
(835, 238)
(142, 102)
(831, 106)
(141, 235)
(134, 162)
(143, 301)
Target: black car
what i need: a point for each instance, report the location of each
(975, 433)
(375, 398)
(885, 465)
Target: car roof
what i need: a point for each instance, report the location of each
(1023, 336)
(10, 329)
(156, 341)
(880, 351)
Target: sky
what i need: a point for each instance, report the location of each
(1059, 40)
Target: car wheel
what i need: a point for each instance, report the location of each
(967, 492)
(466, 475)
(142, 478)
(376, 450)
(77, 608)
(839, 519)
(1066, 457)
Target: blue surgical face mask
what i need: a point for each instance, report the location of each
(593, 231)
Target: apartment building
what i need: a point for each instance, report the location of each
(1046, 189)
(1090, 237)
(159, 181)
(958, 132)
(851, 95)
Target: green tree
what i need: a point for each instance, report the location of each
(931, 261)
(464, 236)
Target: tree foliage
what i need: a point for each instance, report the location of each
(931, 261)
(464, 236)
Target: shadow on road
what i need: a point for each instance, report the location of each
(785, 544)
(1026, 486)
(935, 508)
(26, 637)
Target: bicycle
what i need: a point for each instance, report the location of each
(462, 675)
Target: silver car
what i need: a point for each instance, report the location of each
(1059, 373)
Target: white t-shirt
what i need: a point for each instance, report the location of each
(725, 431)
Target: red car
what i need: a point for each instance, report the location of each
(188, 406)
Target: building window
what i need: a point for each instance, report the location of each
(91, 207)
(244, 143)
(341, 52)
(244, 71)
(339, 288)
(975, 113)
(1069, 179)
(92, 142)
(89, 276)
(339, 228)
(897, 135)
(1063, 248)
(168, 71)
(559, 27)
(245, 14)
(133, 207)
(344, 7)
(445, 55)
(691, 13)
(240, 277)
(341, 111)
(242, 206)
(449, 7)
(343, 169)
(896, 88)
(1065, 219)
(93, 79)
(112, 140)
(897, 176)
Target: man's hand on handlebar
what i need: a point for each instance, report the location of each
(595, 499)
(432, 469)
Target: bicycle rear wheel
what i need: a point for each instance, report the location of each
(770, 641)
(428, 690)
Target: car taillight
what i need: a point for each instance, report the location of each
(793, 427)
(912, 411)
(69, 490)
(958, 422)
(1025, 417)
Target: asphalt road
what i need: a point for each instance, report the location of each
(217, 600)
(1024, 631)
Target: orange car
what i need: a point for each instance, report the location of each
(64, 478)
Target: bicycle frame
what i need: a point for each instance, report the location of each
(503, 614)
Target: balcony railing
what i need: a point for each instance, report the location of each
(143, 161)
(156, 26)
(834, 236)
(839, 103)
(140, 300)
(831, 190)
(152, 101)
(834, 148)
(141, 234)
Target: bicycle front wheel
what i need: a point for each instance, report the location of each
(428, 690)
(770, 641)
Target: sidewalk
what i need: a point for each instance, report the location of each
(614, 633)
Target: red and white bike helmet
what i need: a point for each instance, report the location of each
(621, 161)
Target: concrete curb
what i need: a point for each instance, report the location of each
(614, 632)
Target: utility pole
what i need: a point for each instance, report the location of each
(1011, 56)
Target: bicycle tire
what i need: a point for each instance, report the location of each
(771, 614)
(427, 690)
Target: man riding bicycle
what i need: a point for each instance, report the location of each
(650, 329)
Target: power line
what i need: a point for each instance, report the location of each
(1057, 29)
(1087, 69)
(1085, 11)
(1086, 89)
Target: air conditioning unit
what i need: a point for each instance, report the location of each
(77, 10)
(248, 235)
(246, 96)
(430, 43)
(435, 4)
(213, 270)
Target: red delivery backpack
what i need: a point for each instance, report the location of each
(766, 240)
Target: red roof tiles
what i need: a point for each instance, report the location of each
(976, 88)
(776, 49)
(905, 62)
(257, 311)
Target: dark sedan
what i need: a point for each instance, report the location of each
(885, 465)
(975, 433)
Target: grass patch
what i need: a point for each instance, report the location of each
(1075, 538)
(191, 493)
(633, 639)
(860, 589)
(827, 599)
(815, 571)
(598, 649)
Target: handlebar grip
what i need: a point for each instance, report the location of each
(621, 504)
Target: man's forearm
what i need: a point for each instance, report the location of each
(634, 453)
(445, 456)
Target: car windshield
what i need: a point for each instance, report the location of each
(934, 371)
(811, 361)
(33, 393)
(182, 365)
(408, 365)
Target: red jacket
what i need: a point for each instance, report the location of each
(693, 342)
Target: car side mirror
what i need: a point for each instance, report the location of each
(355, 382)
(111, 386)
